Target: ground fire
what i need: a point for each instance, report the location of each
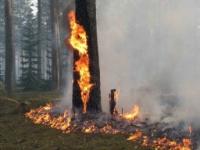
(161, 143)
(128, 123)
(133, 114)
(143, 133)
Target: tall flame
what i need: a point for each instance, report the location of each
(78, 40)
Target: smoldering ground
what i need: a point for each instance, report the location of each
(150, 51)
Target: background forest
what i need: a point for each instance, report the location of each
(32, 50)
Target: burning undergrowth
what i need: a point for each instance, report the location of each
(157, 135)
(160, 136)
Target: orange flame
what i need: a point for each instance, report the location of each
(161, 143)
(133, 114)
(43, 116)
(137, 135)
(78, 40)
(89, 129)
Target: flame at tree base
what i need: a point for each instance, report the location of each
(78, 41)
(67, 124)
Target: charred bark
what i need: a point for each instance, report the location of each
(112, 102)
(86, 16)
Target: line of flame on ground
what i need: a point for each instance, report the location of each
(162, 143)
(133, 114)
(45, 116)
(78, 41)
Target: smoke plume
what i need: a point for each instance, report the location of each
(149, 50)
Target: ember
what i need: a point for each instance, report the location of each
(161, 143)
(134, 137)
(45, 115)
(89, 129)
(42, 115)
(124, 123)
(133, 114)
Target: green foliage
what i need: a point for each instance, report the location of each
(47, 36)
(29, 57)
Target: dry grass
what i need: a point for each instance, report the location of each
(18, 133)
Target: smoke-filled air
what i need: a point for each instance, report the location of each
(150, 51)
(100, 74)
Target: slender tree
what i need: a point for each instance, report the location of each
(39, 35)
(20, 19)
(10, 51)
(55, 26)
(2, 42)
(29, 57)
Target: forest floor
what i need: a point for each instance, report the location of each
(19, 133)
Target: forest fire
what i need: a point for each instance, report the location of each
(148, 135)
(78, 41)
(164, 143)
(161, 143)
(100, 74)
(42, 115)
(66, 123)
(133, 114)
(137, 135)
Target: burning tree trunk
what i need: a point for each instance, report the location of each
(86, 17)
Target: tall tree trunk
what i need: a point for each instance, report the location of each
(86, 16)
(39, 14)
(10, 52)
(55, 44)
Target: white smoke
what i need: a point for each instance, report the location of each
(67, 97)
(149, 49)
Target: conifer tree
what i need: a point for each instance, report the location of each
(29, 57)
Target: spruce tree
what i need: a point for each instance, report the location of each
(29, 57)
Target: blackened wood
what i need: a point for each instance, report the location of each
(86, 16)
(10, 51)
(112, 101)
